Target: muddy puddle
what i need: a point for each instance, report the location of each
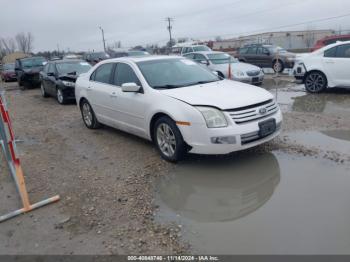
(327, 140)
(259, 203)
(293, 97)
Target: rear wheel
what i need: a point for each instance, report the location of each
(278, 66)
(88, 115)
(315, 82)
(168, 139)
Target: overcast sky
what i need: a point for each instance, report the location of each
(74, 24)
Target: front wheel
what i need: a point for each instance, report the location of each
(61, 98)
(315, 82)
(278, 66)
(88, 115)
(43, 91)
(168, 140)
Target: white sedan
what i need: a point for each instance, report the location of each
(179, 105)
(325, 68)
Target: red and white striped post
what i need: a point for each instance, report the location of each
(9, 148)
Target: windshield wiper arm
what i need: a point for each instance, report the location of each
(201, 82)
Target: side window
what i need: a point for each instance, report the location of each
(343, 51)
(199, 58)
(243, 50)
(103, 73)
(189, 56)
(124, 74)
(330, 52)
(51, 68)
(252, 50)
(259, 51)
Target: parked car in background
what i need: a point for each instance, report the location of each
(58, 78)
(185, 49)
(330, 40)
(28, 69)
(219, 62)
(72, 56)
(179, 105)
(266, 56)
(116, 54)
(325, 68)
(8, 72)
(94, 58)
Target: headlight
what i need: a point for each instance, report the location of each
(67, 83)
(238, 73)
(214, 118)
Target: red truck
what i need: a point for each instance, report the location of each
(330, 40)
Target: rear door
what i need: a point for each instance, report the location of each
(262, 57)
(99, 92)
(336, 62)
(250, 56)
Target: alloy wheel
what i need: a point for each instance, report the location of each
(315, 82)
(166, 139)
(87, 114)
(60, 96)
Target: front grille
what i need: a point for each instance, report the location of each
(254, 136)
(253, 112)
(253, 73)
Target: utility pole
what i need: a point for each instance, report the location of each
(169, 27)
(103, 38)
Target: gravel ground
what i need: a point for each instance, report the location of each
(105, 179)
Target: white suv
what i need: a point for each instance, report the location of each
(179, 105)
(326, 67)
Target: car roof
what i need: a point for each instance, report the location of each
(137, 59)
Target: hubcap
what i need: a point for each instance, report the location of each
(166, 140)
(277, 67)
(314, 82)
(59, 95)
(87, 114)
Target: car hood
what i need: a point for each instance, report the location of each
(68, 77)
(225, 94)
(244, 67)
(33, 70)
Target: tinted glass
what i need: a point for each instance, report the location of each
(252, 50)
(75, 68)
(173, 73)
(330, 52)
(103, 73)
(46, 68)
(221, 58)
(33, 62)
(124, 74)
(343, 51)
(201, 48)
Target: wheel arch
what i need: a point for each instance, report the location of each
(154, 119)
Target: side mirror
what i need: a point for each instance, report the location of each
(130, 87)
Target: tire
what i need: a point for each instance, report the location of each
(315, 82)
(61, 99)
(168, 140)
(278, 66)
(88, 115)
(43, 91)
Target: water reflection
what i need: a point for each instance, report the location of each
(220, 190)
(338, 134)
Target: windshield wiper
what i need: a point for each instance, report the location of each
(201, 82)
(167, 86)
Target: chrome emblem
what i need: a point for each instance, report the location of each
(262, 111)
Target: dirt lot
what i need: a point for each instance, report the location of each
(107, 179)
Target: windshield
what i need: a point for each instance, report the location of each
(73, 68)
(221, 58)
(33, 62)
(275, 49)
(172, 73)
(9, 66)
(201, 48)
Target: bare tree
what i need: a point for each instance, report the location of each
(7, 45)
(24, 42)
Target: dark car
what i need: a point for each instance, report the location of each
(267, 56)
(58, 78)
(330, 40)
(8, 72)
(94, 58)
(27, 71)
(116, 54)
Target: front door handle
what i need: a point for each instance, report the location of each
(114, 94)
